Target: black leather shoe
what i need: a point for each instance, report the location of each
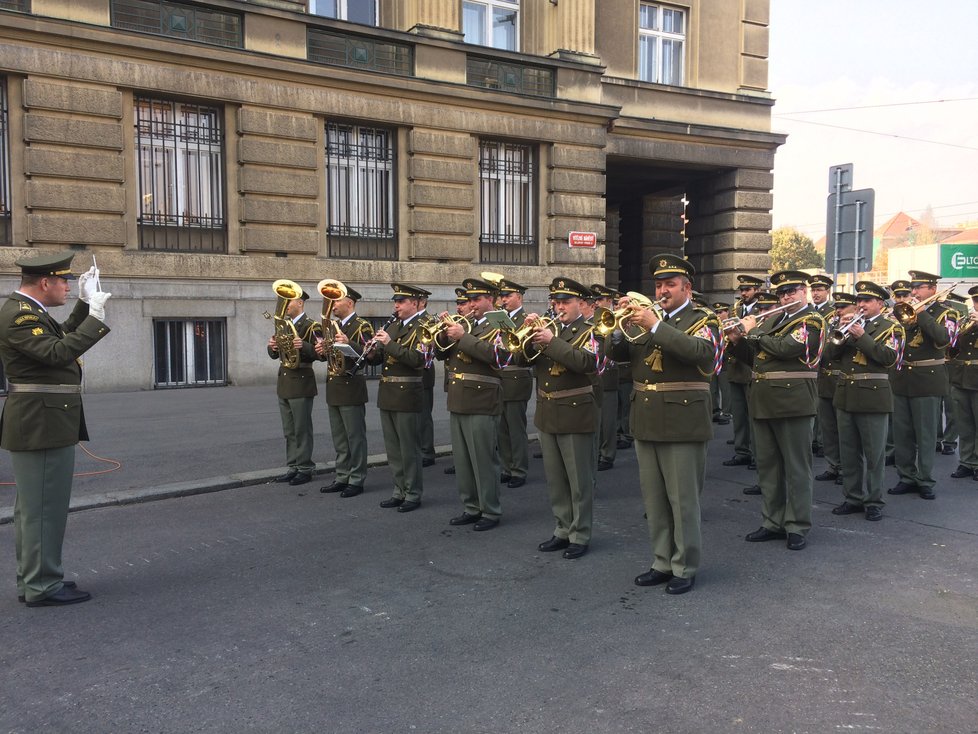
(889, 461)
(537, 454)
(753, 489)
(847, 509)
(575, 550)
(762, 534)
(827, 476)
(427, 462)
(392, 502)
(300, 478)
(287, 477)
(485, 523)
(515, 482)
(604, 465)
(796, 541)
(63, 596)
(729, 442)
(464, 519)
(623, 443)
(949, 449)
(679, 585)
(351, 491)
(722, 421)
(838, 480)
(902, 488)
(927, 494)
(652, 577)
(874, 513)
(940, 447)
(334, 487)
(737, 460)
(962, 471)
(505, 477)
(752, 466)
(554, 544)
(409, 506)
(818, 453)
(450, 469)
(976, 475)
(65, 584)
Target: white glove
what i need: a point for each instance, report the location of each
(88, 284)
(96, 306)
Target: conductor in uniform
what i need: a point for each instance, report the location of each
(672, 364)
(346, 398)
(296, 390)
(42, 417)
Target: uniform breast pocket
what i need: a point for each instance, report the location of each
(61, 402)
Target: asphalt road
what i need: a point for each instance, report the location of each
(277, 609)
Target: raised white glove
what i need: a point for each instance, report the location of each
(96, 305)
(88, 284)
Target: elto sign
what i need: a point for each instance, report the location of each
(959, 261)
(583, 239)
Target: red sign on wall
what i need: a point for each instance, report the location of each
(583, 239)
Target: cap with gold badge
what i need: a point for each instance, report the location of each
(603, 291)
(402, 290)
(842, 298)
(900, 287)
(510, 286)
(47, 263)
(668, 265)
(765, 299)
(785, 281)
(748, 281)
(475, 288)
(720, 306)
(352, 294)
(562, 288)
(919, 277)
(820, 281)
(460, 296)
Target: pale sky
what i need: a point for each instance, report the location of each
(836, 54)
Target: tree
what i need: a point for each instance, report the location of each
(792, 250)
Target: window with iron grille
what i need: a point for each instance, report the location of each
(180, 159)
(508, 211)
(358, 52)
(492, 23)
(360, 192)
(178, 20)
(355, 11)
(661, 43)
(4, 166)
(509, 77)
(21, 6)
(190, 352)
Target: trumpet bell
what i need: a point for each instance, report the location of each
(331, 290)
(285, 288)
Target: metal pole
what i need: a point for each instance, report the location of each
(856, 260)
(838, 223)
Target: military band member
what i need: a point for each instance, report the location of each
(346, 398)
(461, 309)
(720, 386)
(918, 384)
(42, 417)
(765, 302)
(947, 425)
(296, 390)
(475, 402)
(671, 365)
(899, 293)
(863, 398)
(964, 388)
(604, 297)
(818, 289)
(567, 417)
(739, 376)
(786, 349)
(400, 395)
(427, 423)
(517, 377)
(828, 379)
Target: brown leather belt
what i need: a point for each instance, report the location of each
(867, 376)
(50, 389)
(514, 368)
(470, 377)
(565, 393)
(832, 373)
(924, 363)
(785, 375)
(670, 386)
(400, 379)
(965, 362)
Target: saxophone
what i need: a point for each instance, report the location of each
(285, 332)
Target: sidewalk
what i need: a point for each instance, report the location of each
(156, 444)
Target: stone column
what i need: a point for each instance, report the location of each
(662, 231)
(612, 248)
(434, 18)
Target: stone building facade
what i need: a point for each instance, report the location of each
(200, 151)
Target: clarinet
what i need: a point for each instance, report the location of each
(368, 347)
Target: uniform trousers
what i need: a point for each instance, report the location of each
(427, 424)
(966, 414)
(43, 480)
(476, 463)
(672, 476)
(914, 438)
(608, 444)
(348, 426)
(720, 394)
(297, 426)
(947, 425)
(403, 446)
(829, 426)
(568, 460)
(862, 437)
(514, 456)
(784, 471)
(624, 408)
(741, 419)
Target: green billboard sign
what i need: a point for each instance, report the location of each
(959, 261)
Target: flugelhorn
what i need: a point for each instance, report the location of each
(906, 313)
(636, 301)
(429, 332)
(519, 341)
(285, 333)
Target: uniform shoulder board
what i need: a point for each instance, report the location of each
(26, 318)
(25, 306)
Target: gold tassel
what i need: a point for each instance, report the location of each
(859, 358)
(918, 339)
(654, 360)
(557, 369)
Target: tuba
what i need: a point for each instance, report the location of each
(285, 332)
(331, 291)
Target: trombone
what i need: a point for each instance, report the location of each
(906, 313)
(735, 321)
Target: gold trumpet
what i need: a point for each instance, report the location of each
(285, 333)
(841, 333)
(429, 332)
(906, 313)
(519, 341)
(331, 291)
(637, 301)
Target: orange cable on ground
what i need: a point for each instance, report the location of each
(117, 465)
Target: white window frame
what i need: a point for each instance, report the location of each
(490, 7)
(360, 188)
(188, 378)
(657, 39)
(342, 10)
(507, 195)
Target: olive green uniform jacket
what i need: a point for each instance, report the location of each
(346, 389)
(926, 343)
(474, 387)
(301, 381)
(563, 365)
(870, 354)
(517, 377)
(403, 356)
